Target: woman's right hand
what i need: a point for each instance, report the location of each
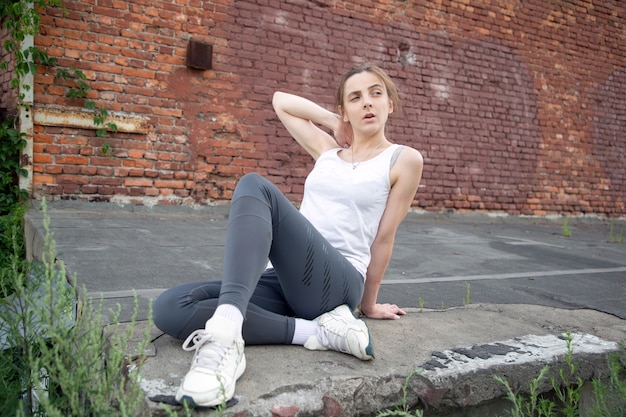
(384, 312)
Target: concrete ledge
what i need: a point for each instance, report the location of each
(64, 116)
(452, 366)
(467, 373)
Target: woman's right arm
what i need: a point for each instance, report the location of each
(302, 118)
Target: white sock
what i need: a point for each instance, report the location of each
(304, 330)
(232, 313)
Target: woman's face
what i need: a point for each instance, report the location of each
(366, 104)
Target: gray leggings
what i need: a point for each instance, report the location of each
(310, 277)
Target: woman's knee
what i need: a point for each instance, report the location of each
(252, 179)
(254, 185)
(161, 310)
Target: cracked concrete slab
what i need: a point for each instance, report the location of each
(452, 365)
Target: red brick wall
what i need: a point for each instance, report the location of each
(517, 106)
(8, 96)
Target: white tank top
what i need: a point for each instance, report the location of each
(346, 203)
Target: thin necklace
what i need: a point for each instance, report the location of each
(354, 165)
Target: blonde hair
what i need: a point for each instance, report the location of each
(392, 91)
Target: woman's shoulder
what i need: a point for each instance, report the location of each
(408, 166)
(409, 155)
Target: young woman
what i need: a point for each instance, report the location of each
(326, 259)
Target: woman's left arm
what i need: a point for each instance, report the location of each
(405, 178)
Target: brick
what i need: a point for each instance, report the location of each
(89, 189)
(107, 182)
(43, 179)
(135, 153)
(138, 163)
(72, 179)
(171, 184)
(71, 160)
(131, 182)
(136, 192)
(42, 159)
(106, 161)
(88, 170)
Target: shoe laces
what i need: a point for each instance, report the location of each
(333, 335)
(209, 351)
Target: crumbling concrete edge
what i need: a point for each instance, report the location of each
(457, 378)
(466, 377)
(452, 379)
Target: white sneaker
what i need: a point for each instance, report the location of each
(340, 330)
(218, 362)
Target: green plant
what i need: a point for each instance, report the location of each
(532, 405)
(567, 232)
(59, 359)
(568, 392)
(420, 300)
(186, 409)
(21, 18)
(219, 410)
(610, 396)
(79, 91)
(12, 249)
(404, 409)
(564, 401)
(467, 301)
(615, 237)
(12, 143)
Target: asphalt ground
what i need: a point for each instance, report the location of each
(438, 262)
(467, 280)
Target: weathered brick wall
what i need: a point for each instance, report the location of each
(517, 106)
(8, 96)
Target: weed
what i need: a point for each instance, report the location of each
(567, 232)
(404, 409)
(610, 396)
(58, 358)
(79, 91)
(186, 409)
(12, 142)
(568, 393)
(608, 400)
(616, 237)
(12, 250)
(420, 301)
(532, 405)
(21, 18)
(467, 301)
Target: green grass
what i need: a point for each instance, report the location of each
(564, 398)
(404, 409)
(61, 358)
(12, 251)
(557, 395)
(567, 232)
(614, 235)
(467, 301)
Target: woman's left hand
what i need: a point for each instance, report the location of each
(385, 312)
(343, 133)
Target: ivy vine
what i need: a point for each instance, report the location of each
(22, 18)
